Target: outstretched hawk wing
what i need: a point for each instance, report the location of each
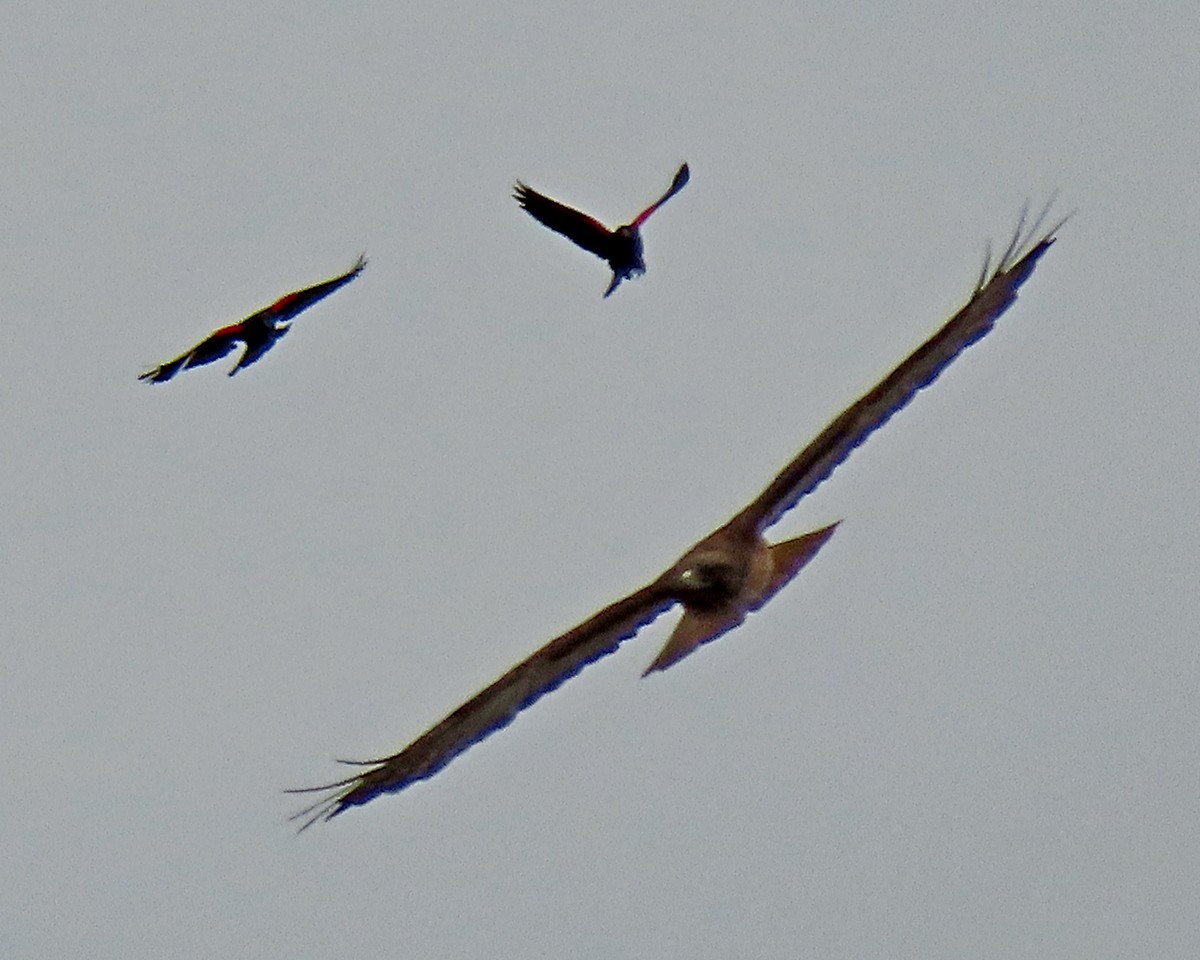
(994, 293)
(493, 707)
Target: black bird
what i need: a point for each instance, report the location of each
(622, 247)
(258, 332)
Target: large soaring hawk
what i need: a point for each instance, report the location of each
(730, 573)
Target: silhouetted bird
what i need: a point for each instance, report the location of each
(622, 247)
(258, 332)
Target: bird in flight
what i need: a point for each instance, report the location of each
(258, 332)
(622, 247)
(730, 573)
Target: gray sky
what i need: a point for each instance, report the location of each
(969, 728)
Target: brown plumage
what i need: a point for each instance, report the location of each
(258, 332)
(730, 573)
(621, 248)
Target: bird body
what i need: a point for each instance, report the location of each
(620, 247)
(722, 578)
(730, 573)
(259, 332)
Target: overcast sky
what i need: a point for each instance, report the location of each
(970, 728)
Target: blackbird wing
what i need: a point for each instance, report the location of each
(293, 303)
(213, 347)
(578, 227)
(682, 175)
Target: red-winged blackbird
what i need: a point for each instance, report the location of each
(258, 332)
(622, 247)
